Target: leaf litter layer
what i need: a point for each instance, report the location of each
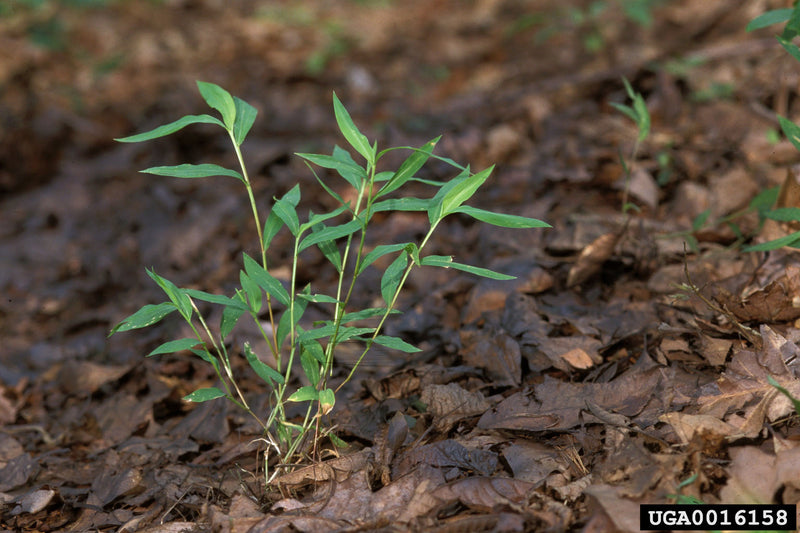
(559, 401)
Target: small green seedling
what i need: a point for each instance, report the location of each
(341, 237)
(639, 114)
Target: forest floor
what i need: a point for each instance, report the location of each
(596, 381)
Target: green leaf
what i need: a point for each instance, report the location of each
(402, 204)
(230, 316)
(458, 195)
(784, 214)
(436, 209)
(176, 295)
(625, 110)
(700, 220)
(409, 167)
(221, 100)
(793, 239)
(769, 18)
(349, 170)
(327, 399)
(188, 170)
(378, 252)
(286, 211)
(348, 128)
(764, 200)
(444, 261)
(172, 127)
(265, 280)
(204, 395)
(310, 367)
(304, 394)
(207, 357)
(314, 348)
(390, 281)
(396, 344)
(274, 223)
(318, 298)
(367, 313)
(792, 28)
(245, 118)
(502, 220)
(175, 346)
(330, 234)
(253, 291)
(146, 316)
(219, 299)
(263, 370)
(790, 47)
(785, 392)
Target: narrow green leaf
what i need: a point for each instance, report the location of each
(378, 252)
(458, 195)
(790, 47)
(245, 118)
(330, 234)
(188, 170)
(436, 204)
(784, 214)
(274, 223)
(230, 316)
(314, 348)
(367, 313)
(396, 344)
(265, 280)
(204, 395)
(172, 127)
(402, 204)
(348, 128)
(390, 281)
(345, 333)
(793, 239)
(146, 316)
(221, 100)
(501, 219)
(219, 299)
(444, 261)
(625, 110)
(318, 298)
(207, 357)
(304, 394)
(253, 291)
(175, 346)
(792, 28)
(176, 295)
(286, 211)
(700, 220)
(310, 367)
(409, 167)
(263, 370)
(349, 170)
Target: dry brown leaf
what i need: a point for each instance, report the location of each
(592, 258)
(450, 403)
(753, 477)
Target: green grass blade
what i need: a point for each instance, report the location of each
(265, 280)
(304, 394)
(274, 223)
(793, 239)
(396, 344)
(392, 277)
(172, 127)
(263, 370)
(330, 234)
(409, 167)
(458, 195)
(378, 252)
(444, 261)
(176, 295)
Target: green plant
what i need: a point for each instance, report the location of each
(791, 130)
(639, 114)
(341, 237)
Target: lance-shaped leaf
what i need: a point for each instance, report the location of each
(146, 316)
(392, 277)
(172, 127)
(265, 280)
(769, 18)
(245, 117)
(221, 100)
(501, 219)
(396, 344)
(444, 261)
(377, 252)
(409, 167)
(349, 170)
(310, 367)
(175, 346)
(188, 170)
(176, 295)
(274, 223)
(348, 128)
(327, 399)
(456, 196)
(304, 394)
(287, 212)
(204, 395)
(219, 299)
(330, 234)
(263, 370)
